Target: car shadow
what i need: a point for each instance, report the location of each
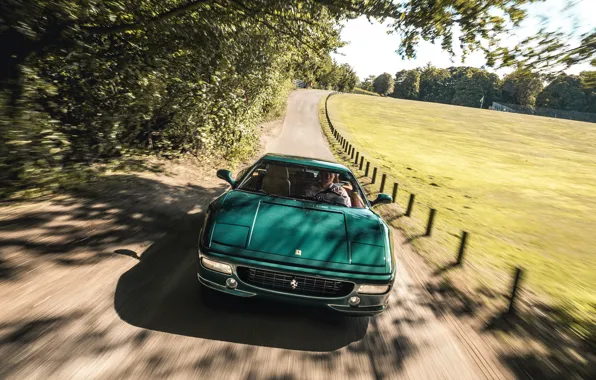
(161, 293)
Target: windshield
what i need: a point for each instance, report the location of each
(304, 182)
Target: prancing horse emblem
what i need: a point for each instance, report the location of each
(294, 284)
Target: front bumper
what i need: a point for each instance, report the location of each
(370, 304)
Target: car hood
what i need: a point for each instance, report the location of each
(300, 233)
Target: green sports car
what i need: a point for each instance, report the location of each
(301, 230)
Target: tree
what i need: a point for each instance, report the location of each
(367, 84)
(383, 84)
(588, 81)
(347, 78)
(564, 92)
(489, 84)
(434, 85)
(521, 87)
(45, 27)
(468, 92)
(407, 84)
(338, 77)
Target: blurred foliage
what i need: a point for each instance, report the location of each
(548, 52)
(198, 83)
(89, 81)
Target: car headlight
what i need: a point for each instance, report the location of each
(373, 289)
(216, 265)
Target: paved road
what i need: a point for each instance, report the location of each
(76, 309)
(301, 134)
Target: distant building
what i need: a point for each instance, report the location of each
(500, 107)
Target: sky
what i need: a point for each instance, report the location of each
(371, 51)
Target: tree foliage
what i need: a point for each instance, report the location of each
(103, 85)
(548, 52)
(466, 86)
(367, 84)
(588, 83)
(383, 84)
(93, 80)
(521, 87)
(435, 85)
(477, 88)
(337, 77)
(564, 92)
(407, 84)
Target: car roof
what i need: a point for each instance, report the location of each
(305, 161)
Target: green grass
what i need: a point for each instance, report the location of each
(524, 187)
(360, 91)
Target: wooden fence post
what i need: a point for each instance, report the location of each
(514, 289)
(431, 221)
(410, 205)
(462, 248)
(374, 178)
(383, 178)
(352, 154)
(357, 157)
(394, 194)
(367, 167)
(361, 162)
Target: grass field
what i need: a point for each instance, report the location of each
(360, 91)
(523, 186)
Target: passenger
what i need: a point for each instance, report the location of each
(327, 190)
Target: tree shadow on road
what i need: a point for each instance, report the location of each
(537, 339)
(555, 354)
(82, 227)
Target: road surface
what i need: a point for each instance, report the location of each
(107, 289)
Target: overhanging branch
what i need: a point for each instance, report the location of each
(147, 22)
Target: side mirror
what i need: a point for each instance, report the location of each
(382, 199)
(226, 175)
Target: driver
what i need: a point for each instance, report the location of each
(327, 190)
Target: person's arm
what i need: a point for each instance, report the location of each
(356, 200)
(344, 194)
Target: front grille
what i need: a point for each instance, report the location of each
(295, 284)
